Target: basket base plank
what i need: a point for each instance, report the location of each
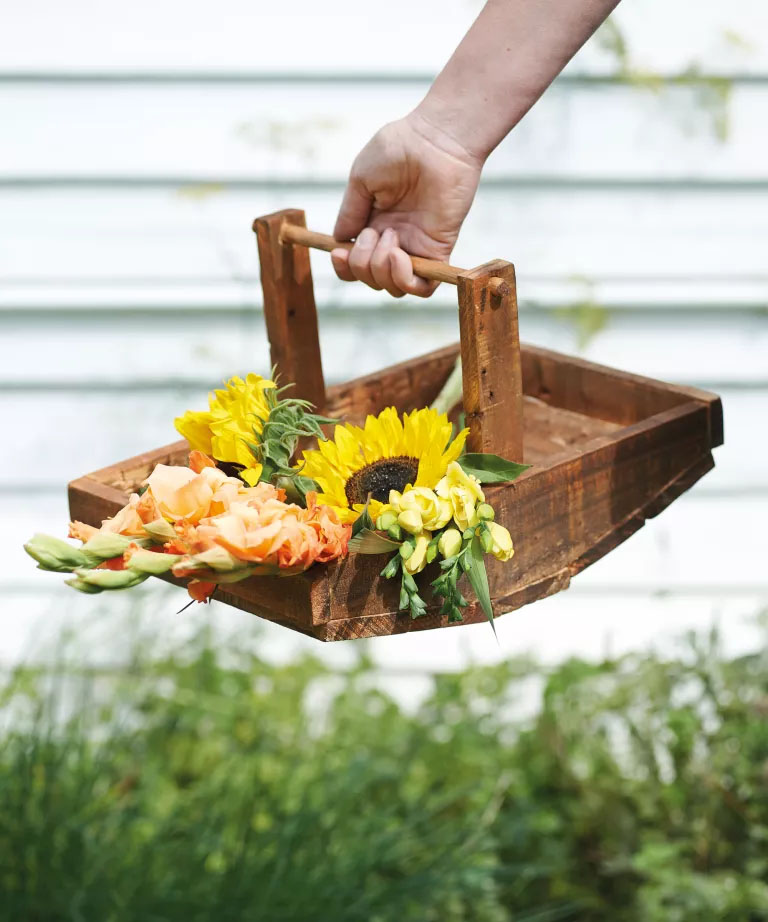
(608, 450)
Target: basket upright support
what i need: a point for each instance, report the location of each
(490, 358)
(289, 306)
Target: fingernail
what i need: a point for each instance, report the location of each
(367, 238)
(387, 235)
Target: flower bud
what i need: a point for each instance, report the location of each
(386, 520)
(395, 532)
(151, 562)
(502, 548)
(106, 545)
(450, 542)
(485, 512)
(417, 560)
(160, 530)
(406, 549)
(55, 554)
(410, 521)
(111, 579)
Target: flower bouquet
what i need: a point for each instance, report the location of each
(254, 502)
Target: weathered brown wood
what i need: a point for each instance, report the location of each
(490, 358)
(606, 393)
(289, 306)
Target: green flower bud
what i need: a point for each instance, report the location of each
(486, 540)
(111, 579)
(392, 568)
(386, 520)
(449, 543)
(55, 554)
(152, 562)
(395, 532)
(106, 545)
(406, 549)
(82, 587)
(485, 512)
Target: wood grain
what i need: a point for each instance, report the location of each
(289, 307)
(490, 358)
(425, 268)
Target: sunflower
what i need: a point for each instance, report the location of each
(234, 417)
(387, 453)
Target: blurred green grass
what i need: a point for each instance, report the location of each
(211, 784)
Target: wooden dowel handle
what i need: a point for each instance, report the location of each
(426, 268)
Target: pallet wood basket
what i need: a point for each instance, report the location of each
(608, 449)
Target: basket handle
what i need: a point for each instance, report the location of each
(426, 268)
(490, 344)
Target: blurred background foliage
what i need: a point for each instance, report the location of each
(212, 784)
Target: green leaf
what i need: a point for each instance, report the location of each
(478, 579)
(371, 542)
(363, 521)
(490, 468)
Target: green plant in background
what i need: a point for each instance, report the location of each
(216, 785)
(710, 94)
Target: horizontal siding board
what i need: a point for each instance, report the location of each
(164, 235)
(181, 34)
(170, 135)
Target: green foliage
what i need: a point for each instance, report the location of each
(290, 419)
(220, 786)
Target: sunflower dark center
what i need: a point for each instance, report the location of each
(379, 477)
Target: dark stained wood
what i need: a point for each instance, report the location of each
(490, 358)
(606, 393)
(289, 306)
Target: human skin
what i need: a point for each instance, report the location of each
(412, 185)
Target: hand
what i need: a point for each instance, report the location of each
(409, 191)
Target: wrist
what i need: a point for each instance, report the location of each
(441, 125)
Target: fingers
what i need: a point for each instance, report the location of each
(379, 262)
(354, 211)
(360, 257)
(403, 277)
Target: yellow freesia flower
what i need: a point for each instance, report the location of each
(234, 417)
(422, 505)
(502, 548)
(463, 492)
(418, 559)
(387, 453)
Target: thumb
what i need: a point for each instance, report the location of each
(354, 212)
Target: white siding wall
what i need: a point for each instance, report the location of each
(134, 152)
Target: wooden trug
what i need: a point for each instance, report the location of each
(608, 449)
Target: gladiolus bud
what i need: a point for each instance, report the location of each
(106, 545)
(55, 554)
(450, 542)
(111, 579)
(152, 562)
(485, 512)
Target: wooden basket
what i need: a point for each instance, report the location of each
(608, 449)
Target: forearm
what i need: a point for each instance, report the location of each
(512, 53)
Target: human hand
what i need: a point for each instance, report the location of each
(409, 190)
